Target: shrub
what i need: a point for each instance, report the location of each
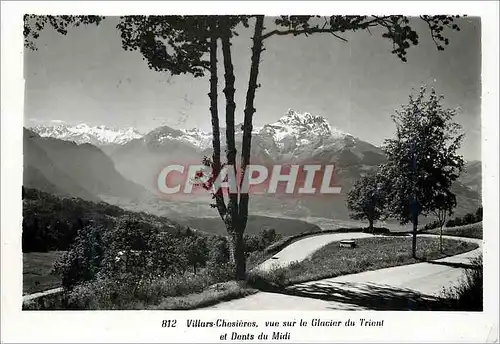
(125, 291)
(84, 260)
(252, 243)
(133, 247)
(219, 251)
(275, 278)
(479, 214)
(469, 218)
(468, 294)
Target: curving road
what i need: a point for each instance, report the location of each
(396, 288)
(301, 249)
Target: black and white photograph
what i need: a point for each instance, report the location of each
(250, 162)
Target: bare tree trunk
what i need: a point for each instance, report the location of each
(415, 228)
(370, 225)
(257, 49)
(441, 239)
(414, 205)
(232, 219)
(239, 253)
(442, 221)
(214, 112)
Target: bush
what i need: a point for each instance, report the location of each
(469, 218)
(275, 278)
(431, 225)
(479, 214)
(219, 251)
(468, 294)
(134, 248)
(126, 292)
(84, 260)
(259, 242)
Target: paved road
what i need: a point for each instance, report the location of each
(42, 293)
(303, 248)
(391, 288)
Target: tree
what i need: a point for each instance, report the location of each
(33, 24)
(197, 252)
(443, 206)
(219, 252)
(479, 214)
(367, 199)
(180, 44)
(423, 159)
(399, 32)
(84, 260)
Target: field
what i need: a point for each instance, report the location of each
(473, 230)
(37, 267)
(370, 254)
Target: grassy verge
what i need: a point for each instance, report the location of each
(473, 230)
(37, 271)
(260, 257)
(218, 293)
(468, 294)
(370, 254)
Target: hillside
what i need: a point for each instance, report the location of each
(472, 177)
(51, 222)
(296, 138)
(69, 169)
(44, 174)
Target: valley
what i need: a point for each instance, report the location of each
(123, 167)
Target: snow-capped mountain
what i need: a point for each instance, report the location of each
(197, 138)
(304, 125)
(83, 133)
(296, 134)
(293, 134)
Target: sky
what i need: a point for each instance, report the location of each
(86, 77)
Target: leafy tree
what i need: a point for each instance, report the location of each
(444, 203)
(84, 260)
(132, 249)
(479, 214)
(219, 251)
(197, 252)
(180, 45)
(423, 159)
(367, 199)
(33, 24)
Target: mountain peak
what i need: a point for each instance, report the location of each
(306, 120)
(84, 133)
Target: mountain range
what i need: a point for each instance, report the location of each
(66, 168)
(298, 138)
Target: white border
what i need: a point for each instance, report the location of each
(142, 326)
